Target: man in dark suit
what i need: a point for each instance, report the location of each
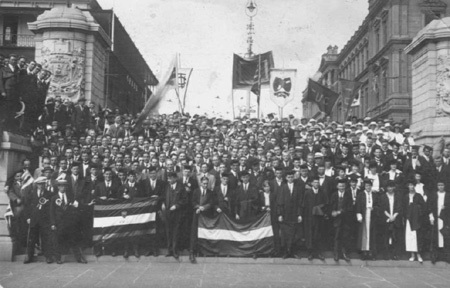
(391, 220)
(37, 215)
(224, 197)
(440, 174)
(413, 164)
(246, 200)
(287, 131)
(190, 183)
(268, 202)
(174, 200)
(9, 80)
(104, 190)
(314, 204)
(341, 203)
(131, 190)
(80, 116)
(290, 211)
(64, 222)
(116, 128)
(202, 203)
(57, 112)
(155, 189)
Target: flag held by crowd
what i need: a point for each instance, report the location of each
(222, 236)
(324, 97)
(282, 86)
(124, 219)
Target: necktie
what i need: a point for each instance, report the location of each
(63, 203)
(153, 185)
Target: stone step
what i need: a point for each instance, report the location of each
(184, 258)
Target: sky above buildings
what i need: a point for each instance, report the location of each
(206, 33)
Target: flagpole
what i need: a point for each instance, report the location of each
(232, 103)
(185, 90)
(259, 85)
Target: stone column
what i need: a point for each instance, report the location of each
(430, 52)
(68, 43)
(13, 150)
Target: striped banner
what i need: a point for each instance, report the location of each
(223, 236)
(124, 219)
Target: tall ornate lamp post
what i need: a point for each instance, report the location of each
(251, 10)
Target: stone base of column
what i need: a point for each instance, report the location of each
(13, 149)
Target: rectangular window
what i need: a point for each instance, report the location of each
(10, 28)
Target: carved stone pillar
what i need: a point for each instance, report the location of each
(430, 52)
(73, 47)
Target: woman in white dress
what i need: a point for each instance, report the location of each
(414, 208)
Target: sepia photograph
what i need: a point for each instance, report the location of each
(224, 143)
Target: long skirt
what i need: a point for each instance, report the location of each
(411, 239)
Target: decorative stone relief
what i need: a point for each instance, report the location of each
(66, 63)
(443, 86)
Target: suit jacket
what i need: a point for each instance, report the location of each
(416, 212)
(246, 202)
(90, 188)
(8, 81)
(442, 176)
(272, 202)
(62, 216)
(134, 192)
(175, 197)
(37, 213)
(233, 181)
(207, 201)
(290, 206)
(328, 186)
(112, 192)
(225, 202)
(160, 186)
(345, 217)
(114, 130)
(76, 188)
(408, 169)
(80, 117)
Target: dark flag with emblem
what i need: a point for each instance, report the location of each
(324, 97)
(123, 220)
(223, 236)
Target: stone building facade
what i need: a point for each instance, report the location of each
(375, 57)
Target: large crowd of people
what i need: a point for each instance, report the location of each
(358, 186)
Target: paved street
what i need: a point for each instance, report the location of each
(209, 274)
